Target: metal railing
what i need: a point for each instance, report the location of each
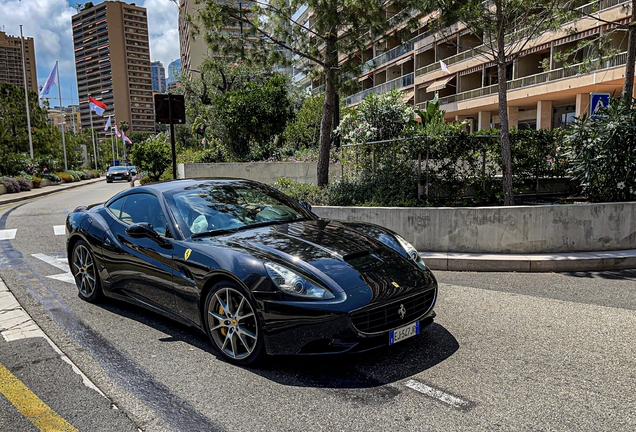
(398, 83)
(386, 57)
(541, 78)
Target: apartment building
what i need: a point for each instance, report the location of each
(11, 70)
(193, 49)
(543, 91)
(71, 119)
(174, 73)
(112, 63)
(158, 74)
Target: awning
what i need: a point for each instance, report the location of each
(439, 84)
(404, 60)
(406, 97)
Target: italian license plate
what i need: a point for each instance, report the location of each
(404, 333)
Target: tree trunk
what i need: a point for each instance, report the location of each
(628, 85)
(506, 157)
(326, 124)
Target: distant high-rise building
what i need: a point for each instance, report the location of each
(11, 62)
(174, 72)
(193, 50)
(158, 77)
(112, 63)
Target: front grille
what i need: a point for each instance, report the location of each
(387, 317)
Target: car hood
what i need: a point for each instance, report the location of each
(334, 253)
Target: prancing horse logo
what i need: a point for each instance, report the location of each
(402, 311)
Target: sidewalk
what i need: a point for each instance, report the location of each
(10, 198)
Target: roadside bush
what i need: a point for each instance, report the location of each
(65, 176)
(301, 192)
(52, 177)
(37, 181)
(153, 156)
(602, 153)
(25, 184)
(11, 184)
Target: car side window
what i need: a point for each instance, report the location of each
(143, 207)
(115, 207)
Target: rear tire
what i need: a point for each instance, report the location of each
(84, 270)
(232, 325)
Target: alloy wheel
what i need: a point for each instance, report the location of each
(232, 323)
(83, 268)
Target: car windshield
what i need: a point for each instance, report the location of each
(217, 208)
(117, 169)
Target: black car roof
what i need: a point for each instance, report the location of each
(181, 184)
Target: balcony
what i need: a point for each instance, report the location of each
(398, 83)
(541, 78)
(388, 56)
(594, 6)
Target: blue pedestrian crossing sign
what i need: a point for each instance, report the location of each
(597, 102)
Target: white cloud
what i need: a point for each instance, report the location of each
(48, 22)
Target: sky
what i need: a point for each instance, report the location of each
(48, 22)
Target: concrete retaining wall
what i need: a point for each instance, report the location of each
(519, 229)
(265, 172)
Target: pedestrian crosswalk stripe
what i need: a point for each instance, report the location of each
(8, 234)
(60, 263)
(59, 230)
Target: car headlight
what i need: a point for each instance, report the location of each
(411, 251)
(292, 283)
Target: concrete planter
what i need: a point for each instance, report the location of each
(504, 230)
(47, 182)
(3, 189)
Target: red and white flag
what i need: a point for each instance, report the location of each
(97, 106)
(117, 131)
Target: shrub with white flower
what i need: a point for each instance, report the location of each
(602, 153)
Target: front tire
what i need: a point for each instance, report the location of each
(232, 324)
(84, 270)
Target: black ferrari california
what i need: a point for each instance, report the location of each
(255, 270)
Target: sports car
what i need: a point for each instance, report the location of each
(255, 270)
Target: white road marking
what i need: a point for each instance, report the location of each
(59, 229)
(8, 234)
(437, 394)
(60, 263)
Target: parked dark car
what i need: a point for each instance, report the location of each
(255, 270)
(117, 173)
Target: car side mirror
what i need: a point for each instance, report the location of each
(144, 229)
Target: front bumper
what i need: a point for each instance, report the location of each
(289, 330)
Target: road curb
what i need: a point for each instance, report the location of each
(35, 193)
(16, 323)
(559, 262)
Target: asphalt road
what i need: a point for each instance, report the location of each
(509, 352)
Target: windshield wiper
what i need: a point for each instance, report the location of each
(262, 224)
(214, 232)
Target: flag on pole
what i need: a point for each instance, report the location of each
(107, 123)
(126, 139)
(97, 106)
(444, 67)
(117, 131)
(50, 81)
